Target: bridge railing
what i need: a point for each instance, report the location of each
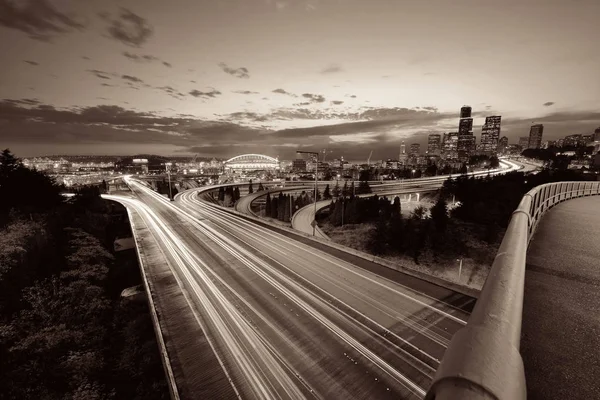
(483, 359)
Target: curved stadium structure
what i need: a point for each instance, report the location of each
(251, 162)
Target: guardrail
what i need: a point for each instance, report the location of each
(483, 359)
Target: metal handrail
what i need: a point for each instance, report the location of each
(483, 359)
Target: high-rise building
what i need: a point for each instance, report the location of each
(450, 147)
(490, 134)
(597, 135)
(415, 149)
(535, 136)
(524, 142)
(466, 140)
(434, 144)
(502, 145)
(402, 156)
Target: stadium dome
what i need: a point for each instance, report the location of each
(251, 162)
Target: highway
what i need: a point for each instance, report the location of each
(285, 320)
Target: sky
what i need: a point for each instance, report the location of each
(227, 77)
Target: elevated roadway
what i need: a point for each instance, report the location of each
(248, 312)
(560, 342)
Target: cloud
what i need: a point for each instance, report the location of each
(212, 93)
(241, 72)
(337, 102)
(281, 91)
(548, 104)
(166, 64)
(131, 78)
(145, 58)
(129, 28)
(31, 62)
(24, 102)
(39, 19)
(315, 98)
(245, 92)
(85, 58)
(100, 74)
(352, 96)
(332, 69)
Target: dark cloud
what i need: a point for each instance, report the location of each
(332, 69)
(166, 64)
(39, 19)
(245, 92)
(107, 84)
(100, 74)
(193, 81)
(86, 58)
(129, 28)
(281, 91)
(548, 104)
(212, 93)
(140, 58)
(241, 72)
(307, 103)
(24, 102)
(31, 62)
(315, 98)
(131, 78)
(337, 102)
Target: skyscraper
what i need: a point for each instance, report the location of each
(535, 136)
(490, 134)
(402, 156)
(466, 140)
(450, 147)
(524, 142)
(597, 135)
(434, 144)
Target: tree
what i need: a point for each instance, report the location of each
(287, 212)
(352, 190)
(431, 170)
(463, 169)
(494, 162)
(396, 207)
(364, 188)
(268, 205)
(260, 187)
(280, 206)
(326, 194)
(221, 193)
(250, 189)
(439, 214)
(345, 189)
(336, 189)
(236, 194)
(274, 207)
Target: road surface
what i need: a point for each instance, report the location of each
(285, 320)
(560, 341)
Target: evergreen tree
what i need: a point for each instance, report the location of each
(221, 193)
(439, 215)
(287, 212)
(378, 240)
(260, 187)
(236, 194)
(335, 217)
(326, 194)
(345, 189)
(280, 206)
(250, 188)
(274, 207)
(396, 207)
(336, 189)
(352, 190)
(268, 205)
(364, 188)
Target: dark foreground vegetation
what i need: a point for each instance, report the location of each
(484, 209)
(65, 332)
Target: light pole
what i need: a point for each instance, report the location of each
(413, 173)
(459, 268)
(167, 165)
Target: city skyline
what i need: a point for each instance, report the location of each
(227, 78)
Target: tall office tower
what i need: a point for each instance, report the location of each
(502, 145)
(490, 134)
(402, 156)
(524, 142)
(450, 149)
(597, 135)
(535, 136)
(434, 145)
(466, 140)
(415, 149)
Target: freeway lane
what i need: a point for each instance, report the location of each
(370, 337)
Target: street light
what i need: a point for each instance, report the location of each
(169, 175)
(459, 268)
(413, 173)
